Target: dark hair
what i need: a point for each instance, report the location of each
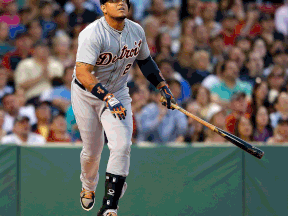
(237, 127)
(253, 119)
(158, 41)
(257, 84)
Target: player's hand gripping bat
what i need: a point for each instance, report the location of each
(230, 137)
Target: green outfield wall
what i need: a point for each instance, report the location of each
(208, 181)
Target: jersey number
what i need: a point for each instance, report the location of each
(128, 66)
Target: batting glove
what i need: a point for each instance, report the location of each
(112, 103)
(166, 92)
(115, 106)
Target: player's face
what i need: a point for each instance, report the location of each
(116, 9)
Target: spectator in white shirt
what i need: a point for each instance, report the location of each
(22, 134)
(12, 107)
(4, 88)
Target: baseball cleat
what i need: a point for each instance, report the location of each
(113, 212)
(110, 212)
(87, 199)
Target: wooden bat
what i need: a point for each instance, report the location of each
(256, 152)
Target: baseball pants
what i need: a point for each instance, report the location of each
(93, 118)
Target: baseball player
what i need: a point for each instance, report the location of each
(107, 49)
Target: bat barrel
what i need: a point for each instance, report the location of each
(241, 143)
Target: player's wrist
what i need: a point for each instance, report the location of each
(100, 92)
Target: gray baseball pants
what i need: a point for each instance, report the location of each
(93, 118)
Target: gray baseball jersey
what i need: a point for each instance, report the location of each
(113, 53)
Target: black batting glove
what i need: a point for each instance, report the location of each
(167, 94)
(115, 106)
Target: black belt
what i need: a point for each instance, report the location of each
(80, 85)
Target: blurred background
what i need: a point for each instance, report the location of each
(225, 61)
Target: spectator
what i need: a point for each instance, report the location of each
(152, 26)
(237, 55)
(216, 116)
(158, 124)
(43, 114)
(228, 28)
(195, 130)
(172, 26)
(168, 72)
(184, 56)
(259, 96)
(46, 18)
(276, 81)
(34, 74)
(22, 134)
(214, 79)
(72, 127)
(5, 46)
(191, 8)
(140, 97)
(239, 108)
(201, 38)
(222, 92)
(24, 16)
(58, 130)
(208, 15)
(252, 69)
(61, 49)
(13, 109)
(35, 31)
(280, 134)
(61, 20)
(2, 131)
(268, 32)
(23, 45)
(201, 67)
(217, 49)
(61, 96)
(226, 7)
(244, 43)
(259, 46)
(244, 129)
(163, 47)
(281, 106)
(10, 16)
(4, 88)
(81, 15)
(188, 26)
(203, 100)
(262, 128)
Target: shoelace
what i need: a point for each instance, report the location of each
(88, 194)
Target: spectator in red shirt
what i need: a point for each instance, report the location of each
(58, 132)
(23, 50)
(239, 107)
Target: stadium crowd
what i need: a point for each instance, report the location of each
(226, 62)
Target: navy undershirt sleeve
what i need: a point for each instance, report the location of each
(150, 70)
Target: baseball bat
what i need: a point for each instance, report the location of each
(256, 152)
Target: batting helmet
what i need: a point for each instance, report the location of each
(104, 1)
